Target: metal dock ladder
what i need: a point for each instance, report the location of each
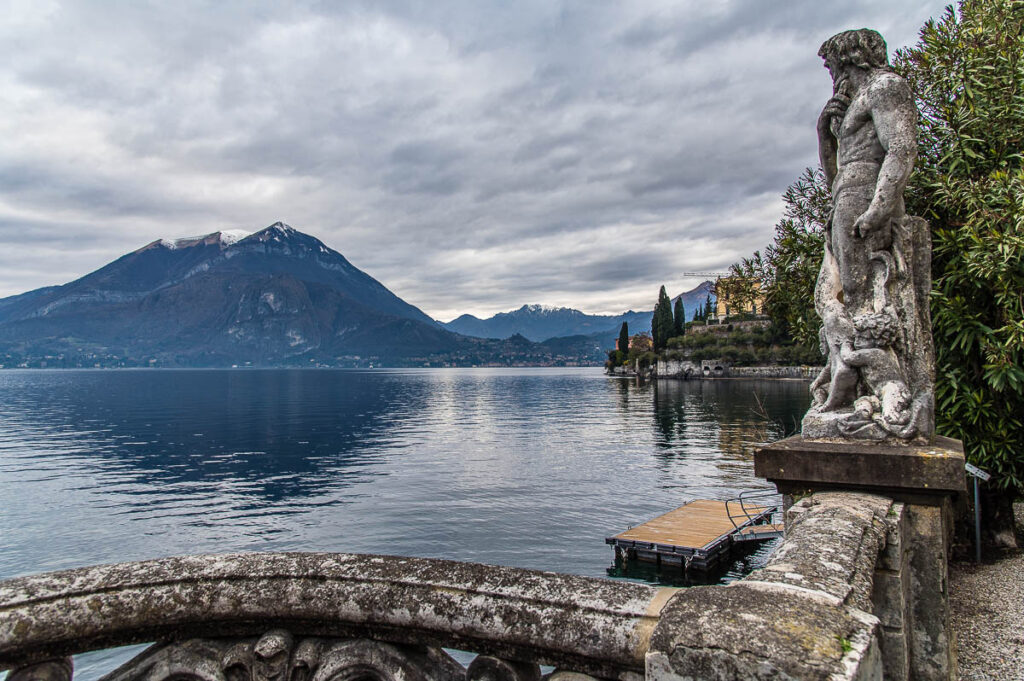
(750, 520)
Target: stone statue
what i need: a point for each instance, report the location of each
(872, 290)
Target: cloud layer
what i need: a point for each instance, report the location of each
(472, 155)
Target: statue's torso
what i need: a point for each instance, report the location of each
(860, 152)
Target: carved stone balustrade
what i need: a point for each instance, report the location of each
(857, 591)
(326, 617)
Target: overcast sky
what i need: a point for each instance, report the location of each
(472, 155)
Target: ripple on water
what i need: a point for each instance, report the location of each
(522, 467)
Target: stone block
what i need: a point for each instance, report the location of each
(889, 600)
(893, 556)
(932, 653)
(903, 472)
(832, 545)
(756, 630)
(895, 662)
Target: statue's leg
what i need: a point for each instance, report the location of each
(850, 250)
(820, 385)
(843, 389)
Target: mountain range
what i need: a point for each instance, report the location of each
(540, 322)
(275, 297)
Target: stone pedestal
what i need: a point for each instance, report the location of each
(925, 474)
(910, 585)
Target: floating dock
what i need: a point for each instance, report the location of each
(698, 535)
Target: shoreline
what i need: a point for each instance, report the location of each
(685, 371)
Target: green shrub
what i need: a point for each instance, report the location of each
(967, 72)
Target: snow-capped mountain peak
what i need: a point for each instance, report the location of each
(230, 236)
(225, 238)
(537, 309)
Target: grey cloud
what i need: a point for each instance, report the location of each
(420, 183)
(625, 270)
(19, 235)
(88, 190)
(568, 147)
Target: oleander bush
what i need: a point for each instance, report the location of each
(967, 73)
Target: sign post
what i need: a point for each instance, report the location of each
(976, 474)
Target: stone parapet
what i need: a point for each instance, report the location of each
(803, 372)
(687, 369)
(594, 626)
(761, 630)
(924, 473)
(856, 591)
(808, 614)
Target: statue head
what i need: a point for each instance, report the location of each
(862, 48)
(876, 330)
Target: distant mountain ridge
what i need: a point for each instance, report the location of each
(276, 297)
(268, 297)
(164, 264)
(540, 323)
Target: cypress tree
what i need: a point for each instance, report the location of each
(661, 322)
(623, 346)
(679, 318)
(656, 326)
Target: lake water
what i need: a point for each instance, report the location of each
(524, 467)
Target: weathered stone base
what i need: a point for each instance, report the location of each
(922, 473)
(829, 425)
(908, 584)
(847, 424)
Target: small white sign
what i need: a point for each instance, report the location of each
(977, 472)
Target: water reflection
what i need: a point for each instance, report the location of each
(520, 467)
(525, 467)
(162, 438)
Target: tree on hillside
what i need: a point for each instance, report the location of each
(709, 307)
(967, 72)
(740, 291)
(788, 268)
(679, 318)
(661, 322)
(621, 351)
(640, 343)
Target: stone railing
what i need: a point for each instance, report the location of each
(857, 590)
(320, 617)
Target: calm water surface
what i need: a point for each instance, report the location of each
(524, 467)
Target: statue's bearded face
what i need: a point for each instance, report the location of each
(839, 70)
(833, 67)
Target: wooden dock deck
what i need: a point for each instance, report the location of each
(697, 535)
